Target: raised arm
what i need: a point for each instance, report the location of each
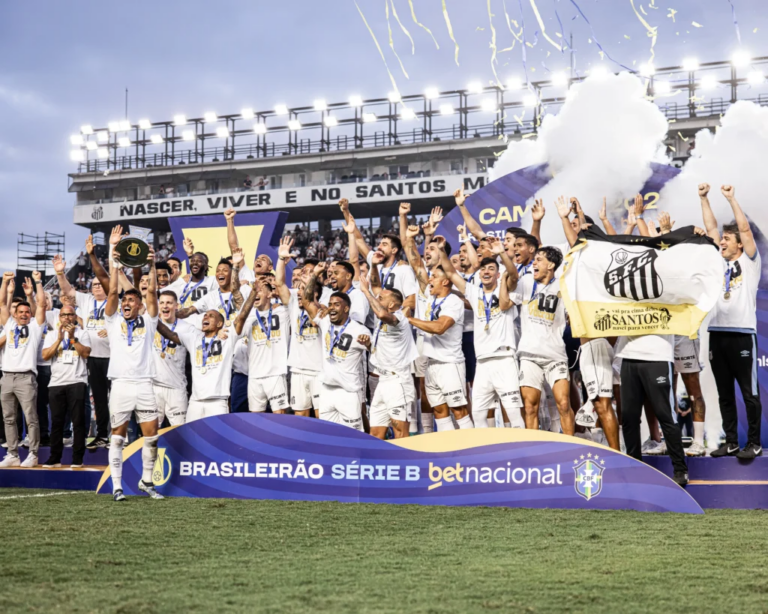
(98, 269)
(414, 259)
(537, 214)
(505, 300)
(284, 256)
(29, 293)
(376, 306)
(229, 215)
(710, 222)
(309, 292)
(450, 271)
(152, 306)
(745, 231)
(238, 259)
(470, 222)
(609, 229)
(474, 261)
(362, 247)
(112, 296)
(37, 278)
(405, 209)
(509, 265)
(665, 223)
(4, 311)
(353, 256)
(631, 222)
(431, 226)
(642, 227)
(564, 211)
(59, 267)
(243, 314)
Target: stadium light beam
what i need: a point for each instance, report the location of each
(431, 93)
(489, 105)
(355, 101)
(125, 125)
(145, 124)
(124, 141)
(156, 139)
(86, 129)
(91, 145)
(369, 117)
(475, 87)
(320, 105)
(407, 114)
(690, 64)
(113, 126)
(647, 70)
(179, 120)
(662, 88)
(294, 124)
(708, 82)
(247, 113)
(281, 109)
(741, 59)
(77, 155)
(76, 139)
(222, 132)
(530, 101)
(446, 109)
(260, 128)
(102, 137)
(188, 135)
(210, 117)
(394, 97)
(330, 121)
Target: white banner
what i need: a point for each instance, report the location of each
(263, 200)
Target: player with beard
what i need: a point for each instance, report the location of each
(344, 346)
(132, 370)
(262, 264)
(194, 286)
(174, 265)
(163, 275)
(341, 277)
(305, 353)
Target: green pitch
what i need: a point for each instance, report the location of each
(83, 553)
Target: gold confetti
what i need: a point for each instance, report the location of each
(672, 121)
(392, 42)
(672, 148)
(478, 28)
(543, 28)
(627, 37)
(493, 44)
(682, 137)
(558, 35)
(601, 53)
(642, 10)
(696, 24)
(652, 32)
(529, 44)
(381, 53)
(519, 119)
(403, 28)
(529, 135)
(754, 31)
(672, 13)
(450, 32)
(421, 25)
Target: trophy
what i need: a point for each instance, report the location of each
(133, 251)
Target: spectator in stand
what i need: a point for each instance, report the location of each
(161, 191)
(263, 183)
(248, 182)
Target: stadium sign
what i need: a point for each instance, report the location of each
(264, 200)
(266, 456)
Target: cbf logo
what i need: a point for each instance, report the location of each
(98, 213)
(163, 468)
(588, 476)
(633, 275)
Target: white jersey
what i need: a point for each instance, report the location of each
(652, 348)
(67, 366)
(170, 358)
(51, 326)
(224, 304)
(211, 363)
(359, 307)
(189, 292)
(268, 335)
(392, 346)
(306, 348)
(445, 347)
(398, 276)
(91, 312)
(542, 318)
(21, 346)
(469, 315)
(130, 346)
(342, 354)
(495, 333)
(736, 307)
(325, 295)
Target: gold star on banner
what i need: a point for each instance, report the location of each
(582, 457)
(596, 457)
(589, 455)
(602, 462)
(575, 460)
(663, 246)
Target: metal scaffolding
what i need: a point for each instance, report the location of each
(36, 252)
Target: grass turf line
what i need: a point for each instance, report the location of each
(87, 553)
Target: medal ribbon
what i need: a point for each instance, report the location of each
(336, 336)
(185, 294)
(130, 326)
(163, 341)
(97, 309)
(206, 348)
(228, 307)
(267, 330)
(435, 307)
(303, 321)
(487, 307)
(728, 275)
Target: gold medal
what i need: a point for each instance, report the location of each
(229, 322)
(203, 370)
(487, 326)
(269, 343)
(162, 354)
(727, 296)
(300, 338)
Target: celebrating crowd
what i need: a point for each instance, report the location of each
(398, 338)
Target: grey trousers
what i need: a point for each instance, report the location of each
(20, 389)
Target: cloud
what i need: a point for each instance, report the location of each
(26, 102)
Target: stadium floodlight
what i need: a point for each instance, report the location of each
(599, 72)
(188, 135)
(113, 126)
(281, 109)
(320, 105)
(740, 59)
(86, 129)
(647, 70)
(124, 141)
(330, 121)
(210, 117)
(102, 153)
(530, 101)
(145, 124)
(475, 87)
(489, 105)
(514, 83)
(394, 97)
(180, 120)
(222, 132)
(662, 88)
(559, 79)
(708, 82)
(431, 93)
(156, 139)
(91, 145)
(446, 109)
(76, 139)
(355, 101)
(260, 128)
(294, 124)
(102, 137)
(369, 117)
(755, 77)
(247, 113)
(407, 113)
(125, 125)
(77, 155)
(690, 64)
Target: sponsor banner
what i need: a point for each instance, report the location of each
(263, 200)
(627, 285)
(266, 456)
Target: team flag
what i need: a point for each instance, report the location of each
(617, 285)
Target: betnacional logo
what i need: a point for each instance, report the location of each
(588, 476)
(163, 468)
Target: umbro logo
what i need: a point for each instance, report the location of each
(745, 353)
(661, 380)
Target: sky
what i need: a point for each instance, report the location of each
(65, 64)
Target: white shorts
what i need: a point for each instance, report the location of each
(263, 390)
(687, 355)
(616, 364)
(206, 408)
(305, 391)
(373, 383)
(171, 403)
(533, 374)
(596, 366)
(392, 399)
(496, 379)
(446, 383)
(420, 364)
(125, 397)
(340, 406)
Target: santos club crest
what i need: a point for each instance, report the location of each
(588, 477)
(633, 275)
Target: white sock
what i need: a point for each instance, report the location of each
(116, 461)
(466, 423)
(482, 421)
(491, 423)
(413, 422)
(507, 425)
(148, 458)
(428, 422)
(444, 424)
(698, 432)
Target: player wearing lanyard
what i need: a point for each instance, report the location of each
(221, 298)
(132, 370)
(733, 328)
(192, 287)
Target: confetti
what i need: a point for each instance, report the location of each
(392, 42)
(402, 27)
(627, 37)
(696, 24)
(642, 10)
(682, 137)
(735, 21)
(671, 15)
(493, 43)
(421, 25)
(754, 31)
(381, 53)
(478, 28)
(529, 135)
(652, 32)
(543, 28)
(450, 32)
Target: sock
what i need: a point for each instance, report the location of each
(507, 425)
(428, 422)
(466, 423)
(698, 432)
(413, 419)
(554, 426)
(116, 461)
(148, 458)
(491, 423)
(443, 424)
(482, 421)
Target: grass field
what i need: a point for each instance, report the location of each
(83, 553)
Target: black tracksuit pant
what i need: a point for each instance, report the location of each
(640, 380)
(733, 357)
(100, 384)
(63, 400)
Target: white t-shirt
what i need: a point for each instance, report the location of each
(398, 276)
(652, 348)
(51, 326)
(392, 346)
(445, 347)
(325, 295)
(21, 346)
(359, 308)
(188, 293)
(212, 380)
(500, 339)
(469, 315)
(542, 320)
(92, 313)
(170, 358)
(738, 312)
(306, 348)
(268, 336)
(67, 366)
(220, 301)
(131, 362)
(342, 354)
